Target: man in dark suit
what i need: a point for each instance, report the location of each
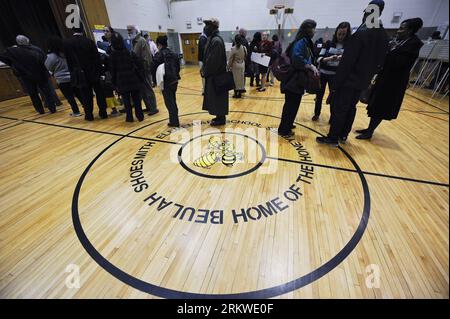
(84, 64)
(363, 57)
(27, 62)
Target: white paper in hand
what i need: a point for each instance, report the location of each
(261, 59)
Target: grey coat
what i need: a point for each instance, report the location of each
(58, 67)
(236, 63)
(215, 64)
(142, 49)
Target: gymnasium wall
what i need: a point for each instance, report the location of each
(253, 14)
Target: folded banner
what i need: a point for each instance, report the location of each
(261, 58)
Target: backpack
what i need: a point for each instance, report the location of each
(282, 67)
(171, 67)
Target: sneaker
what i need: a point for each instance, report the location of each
(364, 136)
(261, 90)
(115, 112)
(315, 118)
(150, 113)
(327, 141)
(75, 114)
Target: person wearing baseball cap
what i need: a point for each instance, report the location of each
(363, 57)
(215, 100)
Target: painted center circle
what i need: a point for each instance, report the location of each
(222, 155)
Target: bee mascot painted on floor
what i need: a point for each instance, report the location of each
(219, 150)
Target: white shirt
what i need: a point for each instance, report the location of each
(153, 47)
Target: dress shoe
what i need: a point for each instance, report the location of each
(327, 141)
(364, 136)
(153, 112)
(217, 122)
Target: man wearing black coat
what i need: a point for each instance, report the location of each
(201, 55)
(85, 66)
(215, 101)
(364, 56)
(27, 62)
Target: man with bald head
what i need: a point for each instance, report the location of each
(28, 64)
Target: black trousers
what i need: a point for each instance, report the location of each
(324, 80)
(136, 97)
(88, 100)
(290, 109)
(170, 99)
(254, 74)
(69, 93)
(343, 112)
(33, 88)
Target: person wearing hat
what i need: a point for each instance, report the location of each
(364, 56)
(215, 65)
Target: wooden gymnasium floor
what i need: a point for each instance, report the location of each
(371, 219)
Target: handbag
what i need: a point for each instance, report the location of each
(78, 77)
(366, 95)
(224, 82)
(312, 83)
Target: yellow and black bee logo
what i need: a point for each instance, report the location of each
(219, 150)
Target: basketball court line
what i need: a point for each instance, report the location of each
(426, 102)
(364, 172)
(408, 179)
(424, 113)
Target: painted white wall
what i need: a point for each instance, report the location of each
(146, 14)
(253, 14)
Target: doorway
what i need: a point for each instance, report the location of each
(190, 47)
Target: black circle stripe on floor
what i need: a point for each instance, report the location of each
(258, 294)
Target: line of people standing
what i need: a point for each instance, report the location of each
(348, 64)
(80, 70)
